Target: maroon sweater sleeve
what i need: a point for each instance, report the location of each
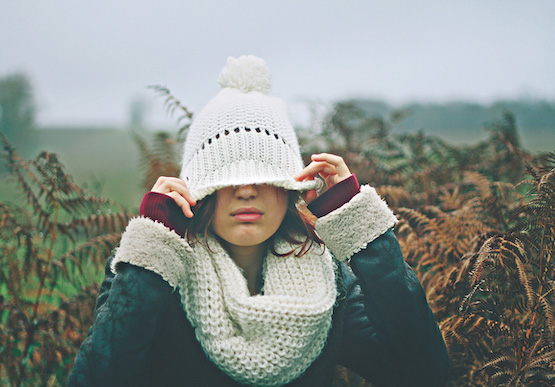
(335, 197)
(164, 209)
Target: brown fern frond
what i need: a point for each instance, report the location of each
(524, 276)
(95, 250)
(450, 199)
(416, 218)
(395, 196)
(497, 252)
(498, 361)
(85, 203)
(31, 197)
(172, 105)
(54, 176)
(161, 160)
(54, 217)
(97, 224)
(547, 311)
(541, 362)
(11, 222)
(480, 181)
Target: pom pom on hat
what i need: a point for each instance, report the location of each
(246, 73)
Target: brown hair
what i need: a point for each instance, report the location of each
(297, 226)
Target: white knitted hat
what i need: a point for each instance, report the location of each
(243, 136)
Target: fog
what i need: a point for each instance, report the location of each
(89, 60)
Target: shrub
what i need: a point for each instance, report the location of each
(54, 242)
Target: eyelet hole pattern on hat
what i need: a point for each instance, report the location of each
(227, 132)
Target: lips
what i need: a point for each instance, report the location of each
(249, 214)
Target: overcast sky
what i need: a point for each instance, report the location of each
(87, 60)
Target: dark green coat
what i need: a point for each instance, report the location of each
(382, 329)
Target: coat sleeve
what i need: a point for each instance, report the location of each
(390, 336)
(127, 314)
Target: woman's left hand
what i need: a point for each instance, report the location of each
(332, 168)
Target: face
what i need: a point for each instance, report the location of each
(249, 215)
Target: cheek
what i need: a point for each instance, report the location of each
(219, 219)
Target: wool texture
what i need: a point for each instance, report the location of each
(358, 222)
(150, 244)
(263, 340)
(242, 136)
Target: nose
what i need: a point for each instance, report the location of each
(246, 192)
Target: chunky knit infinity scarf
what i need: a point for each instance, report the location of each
(268, 339)
(264, 340)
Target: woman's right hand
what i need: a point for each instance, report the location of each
(177, 190)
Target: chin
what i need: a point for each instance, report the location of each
(247, 242)
(247, 239)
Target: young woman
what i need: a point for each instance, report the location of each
(224, 281)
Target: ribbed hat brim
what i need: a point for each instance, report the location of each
(237, 174)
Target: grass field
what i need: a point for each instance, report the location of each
(105, 161)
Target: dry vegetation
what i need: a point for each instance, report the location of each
(477, 223)
(53, 246)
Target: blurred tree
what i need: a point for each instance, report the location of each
(17, 112)
(137, 112)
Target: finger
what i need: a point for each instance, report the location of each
(330, 158)
(181, 202)
(164, 180)
(303, 175)
(170, 186)
(159, 182)
(177, 185)
(342, 170)
(309, 195)
(314, 168)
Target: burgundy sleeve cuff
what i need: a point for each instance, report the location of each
(164, 209)
(335, 197)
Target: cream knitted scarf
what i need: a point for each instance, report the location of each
(264, 340)
(268, 339)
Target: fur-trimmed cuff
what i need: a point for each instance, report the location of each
(358, 222)
(153, 246)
